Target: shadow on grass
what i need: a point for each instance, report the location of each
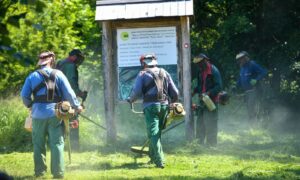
(103, 166)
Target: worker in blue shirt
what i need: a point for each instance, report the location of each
(250, 75)
(156, 87)
(48, 86)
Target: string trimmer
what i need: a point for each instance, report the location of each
(64, 111)
(176, 112)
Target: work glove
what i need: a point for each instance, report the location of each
(129, 100)
(194, 107)
(203, 94)
(253, 82)
(79, 110)
(74, 124)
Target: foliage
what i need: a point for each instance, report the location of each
(268, 30)
(59, 26)
(13, 136)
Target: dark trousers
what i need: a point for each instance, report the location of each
(207, 126)
(252, 105)
(74, 135)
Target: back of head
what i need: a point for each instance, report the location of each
(148, 60)
(200, 57)
(46, 57)
(241, 55)
(79, 56)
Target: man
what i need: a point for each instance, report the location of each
(69, 67)
(209, 84)
(156, 86)
(250, 75)
(48, 87)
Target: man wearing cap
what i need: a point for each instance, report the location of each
(250, 75)
(209, 84)
(156, 95)
(69, 67)
(48, 86)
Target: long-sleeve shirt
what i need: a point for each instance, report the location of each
(71, 72)
(209, 81)
(250, 70)
(46, 110)
(144, 78)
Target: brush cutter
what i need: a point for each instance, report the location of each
(88, 119)
(144, 149)
(64, 111)
(176, 111)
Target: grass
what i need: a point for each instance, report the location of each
(243, 152)
(207, 164)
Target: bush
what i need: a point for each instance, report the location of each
(13, 136)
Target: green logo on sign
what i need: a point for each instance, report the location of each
(124, 36)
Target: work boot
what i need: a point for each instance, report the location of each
(58, 176)
(161, 166)
(39, 175)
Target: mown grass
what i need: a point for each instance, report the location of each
(243, 152)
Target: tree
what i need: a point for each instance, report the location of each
(58, 26)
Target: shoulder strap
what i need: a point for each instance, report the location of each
(158, 81)
(51, 85)
(42, 84)
(49, 82)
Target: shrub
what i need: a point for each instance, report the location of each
(13, 136)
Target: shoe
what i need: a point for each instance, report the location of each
(58, 176)
(39, 174)
(161, 166)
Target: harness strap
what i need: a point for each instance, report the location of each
(50, 84)
(159, 82)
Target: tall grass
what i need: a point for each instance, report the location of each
(13, 136)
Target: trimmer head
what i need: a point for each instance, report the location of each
(140, 150)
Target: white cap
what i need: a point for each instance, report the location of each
(241, 54)
(150, 60)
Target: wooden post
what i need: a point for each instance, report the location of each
(186, 83)
(109, 85)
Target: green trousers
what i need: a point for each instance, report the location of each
(155, 116)
(53, 129)
(207, 126)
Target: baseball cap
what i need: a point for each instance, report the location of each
(44, 57)
(199, 58)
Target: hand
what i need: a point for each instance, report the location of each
(202, 95)
(74, 124)
(253, 82)
(194, 107)
(83, 95)
(129, 100)
(79, 109)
